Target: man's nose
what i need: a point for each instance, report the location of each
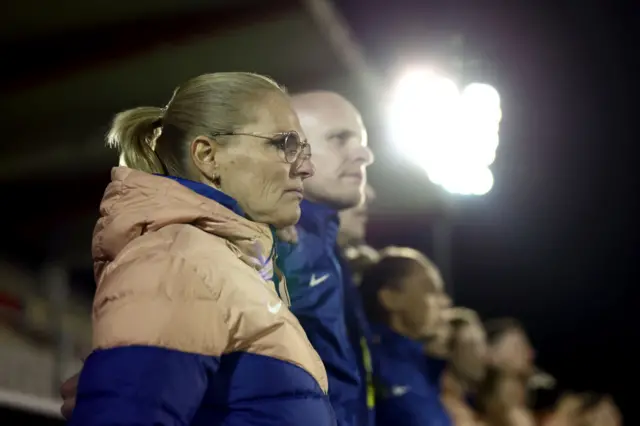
(304, 169)
(362, 154)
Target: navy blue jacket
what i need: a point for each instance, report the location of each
(407, 382)
(360, 337)
(315, 281)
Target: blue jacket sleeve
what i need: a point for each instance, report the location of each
(141, 385)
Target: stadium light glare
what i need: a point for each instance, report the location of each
(453, 134)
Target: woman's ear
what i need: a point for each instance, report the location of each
(203, 154)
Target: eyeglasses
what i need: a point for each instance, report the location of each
(295, 150)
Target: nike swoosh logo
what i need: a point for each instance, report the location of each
(275, 308)
(319, 280)
(399, 390)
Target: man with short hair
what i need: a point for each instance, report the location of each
(317, 280)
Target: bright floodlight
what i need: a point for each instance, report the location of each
(452, 134)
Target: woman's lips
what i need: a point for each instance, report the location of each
(296, 192)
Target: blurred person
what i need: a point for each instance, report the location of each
(600, 410)
(587, 409)
(314, 264)
(402, 295)
(511, 352)
(438, 346)
(356, 257)
(466, 368)
(351, 237)
(502, 400)
(209, 338)
(353, 221)
(510, 349)
(503, 396)
(565, 412)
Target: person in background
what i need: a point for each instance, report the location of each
(585, 409)
(190, 317)
(351, 237)
(357, 256)
(466, 367)
(511, 353)
(502, 400)
(402, 295)
(509, 347)
(603, 412)
(503, 395)
(314, 264)
(353, 221)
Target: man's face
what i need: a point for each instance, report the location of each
(338, 142)
(353, 222)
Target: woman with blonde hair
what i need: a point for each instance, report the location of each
(190, 317)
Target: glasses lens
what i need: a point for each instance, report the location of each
(306, 152)
(291, 146)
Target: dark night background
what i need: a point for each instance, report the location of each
(553, 244)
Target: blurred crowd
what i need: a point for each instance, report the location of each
(224, 297)
(483, 372)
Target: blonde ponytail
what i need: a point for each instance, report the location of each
(157, 140)
(133, 133)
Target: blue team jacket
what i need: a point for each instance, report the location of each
(315, 282)
(361, 339)
(407, 382)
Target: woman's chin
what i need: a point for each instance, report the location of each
(286, 216)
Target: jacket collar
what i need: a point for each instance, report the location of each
(211, 193)
(321, 221)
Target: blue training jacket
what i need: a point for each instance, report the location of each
(315, 281)
(407, 381)
(361, 340)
